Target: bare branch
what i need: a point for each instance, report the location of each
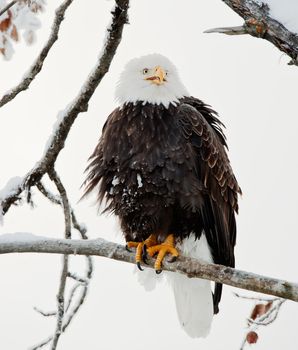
(65, 203)
(77, 278)
(79, 302)
(78, 105)
(259, 23)
(37, 65)
(7, 7)
(52, 197)
(187, 266)
(71, 295)
(83, 281)
(255, 298)
(45, 314)
(64, 273)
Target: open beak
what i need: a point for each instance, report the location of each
(159, 76)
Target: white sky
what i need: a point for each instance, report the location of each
(246, 80)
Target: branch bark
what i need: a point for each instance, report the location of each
(37, 65)
(78, 105)
(259, 23)
(20, 243)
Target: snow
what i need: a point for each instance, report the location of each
(284, 11)
(20, 237)
(140, 182)
(115, 181)
(11, 187)
(9, 190)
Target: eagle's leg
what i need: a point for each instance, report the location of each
(141, 248)
(167, 247)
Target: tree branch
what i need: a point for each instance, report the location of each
(259, 23)
(64, 273)
(7, 7)
(82, 282)
(78, 105)
(37, 65)
(22, 243)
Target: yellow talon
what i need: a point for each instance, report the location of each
(167, 247)
(150, 241)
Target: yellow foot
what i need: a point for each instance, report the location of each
(141, 249)
(167, 247)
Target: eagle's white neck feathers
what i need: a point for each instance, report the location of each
(132, 87)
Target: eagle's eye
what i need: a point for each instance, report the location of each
(145, 71)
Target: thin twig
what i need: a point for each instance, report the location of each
(80, 301)
(187, 266)
(67, 234)
(255, 298)
(77, 278)
(8, 6)
(52, 197)
(71, 295)
(78, 105)
(45, 314)
(264, 319)
(38, 63)
(83, 282)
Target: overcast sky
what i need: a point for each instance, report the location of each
(246, 80)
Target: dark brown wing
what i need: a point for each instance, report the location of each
(97, 167)
(220, 202)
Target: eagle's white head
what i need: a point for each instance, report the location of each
(152, 78)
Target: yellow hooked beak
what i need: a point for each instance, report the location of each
(159, 76)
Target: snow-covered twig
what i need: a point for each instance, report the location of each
(77, 278)
(78, 105)
(254, 298)
(83, 282)
(8, 6)
(52, 197)
(259, 23)
(37, 65)
(45, 314)
(70, 312)
(261, 315)
(64, 273)
(269, 316)
(190, 267)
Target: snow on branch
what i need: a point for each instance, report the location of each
(37, 65)
(28, 243)
(260, 23)
(78, 105)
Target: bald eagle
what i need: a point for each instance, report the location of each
(161, 164)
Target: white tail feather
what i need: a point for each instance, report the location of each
(193, 296)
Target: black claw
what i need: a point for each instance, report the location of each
(126, 247)
(172, 259)
(139, 266)
(158, 272)
(144, 254)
